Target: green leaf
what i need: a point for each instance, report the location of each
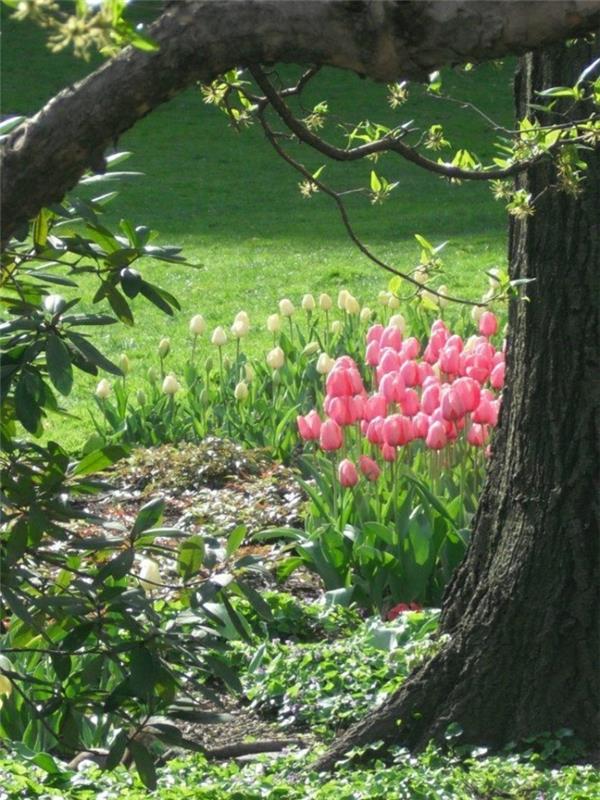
(92, 354)
(143, 763)
(117, 749)
(148, 516)
(98, 460)
(375, 182)
(59, 364)
(191, 556)
(235, 538)
(256, 601)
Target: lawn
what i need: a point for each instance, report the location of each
(236, 210)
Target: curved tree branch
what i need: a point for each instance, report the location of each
(386, 40)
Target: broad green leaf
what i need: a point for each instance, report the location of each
(144, 764)
(235, 538)
(59, 366)
(190, 557)
(148, 516)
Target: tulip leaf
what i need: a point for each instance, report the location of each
(191, 556)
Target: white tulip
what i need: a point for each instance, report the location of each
(383, 297)
(170, 385)
(443, 301)
(476, 313)
(325, 302)
(240, 328)
(243, 316)
(398, 321)
(273, 323)
(241, 391)
(276, 358)
(366, 314)
(471, 342)
(311, 348)
(124, 364)
(352, 305)
(54, 303)
(393, 302)
(336, 326)
(427, 295)
(308, 303)
(325, 364)
(149, 575)
(342, 298)
(164, 346)
(420, 276)
(219, 337)
(249, 373)
(103, 389)
(197, 325)
(286, 307)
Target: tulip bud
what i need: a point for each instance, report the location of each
(54, 303)
(204, 398)
(393, 302)
(443, 301)
(286, 307)
(241, 391)
(240, 328)
(149, 575)
(427, 295)
(308, 303)
(275, 358)
(365, 315)
(336, 327)
(476, 313)
(170, 385)
(420, 276)
(243, 316)
(398, 321)
(164, 346)
(274, 323)
(348, 476)
(226, 362)
(141, 397)
(209, 364)
(249, 373)
(124, 364)
(102, 389)
(325, 302)
(152, 375)
(383, 297)
(219, 337)
(342, 298)
(352, 305)
(325, 364)
(311, 348)
(197, 325)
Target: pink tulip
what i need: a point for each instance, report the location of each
(338, 383)
(449, 360)
(431, 398)
(358, 403)
(487, 349)
(499, 358)
(389, 360)
(345, 362)
(331, 436)
(374, 333)
(452, 405)
(430, 355)
(497, 376)
(469, 392)
(479, 368)
(375, 430)
(410, 403)
(456, 341)
(488, 324)
(439, 325)
(392, 387)
(477, 435)
(391, 337)
(398, 430)
(388, 452)
(486, 413)
(372, 354)
(410, 373)
(369, 468)
(436, 436)
(356, 381)
(309, 426)
(364, 427)
(411, 348)
(425, 371)
(421, 425)
(340, 409)
(347, 473)
(375, 406)
(448, 426)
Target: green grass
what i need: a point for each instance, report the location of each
(236, 210)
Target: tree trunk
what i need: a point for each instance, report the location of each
(522, 612)
(384, 39)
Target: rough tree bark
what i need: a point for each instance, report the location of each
(384, 39)
(523, 609)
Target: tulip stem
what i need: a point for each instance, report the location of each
(334, 488)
